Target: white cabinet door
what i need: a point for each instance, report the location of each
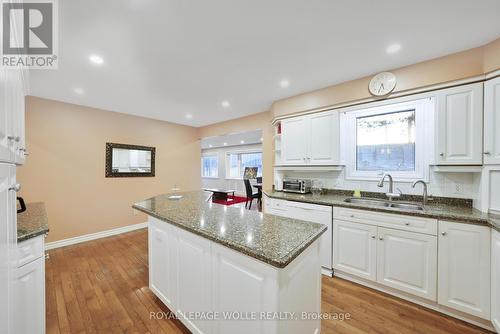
(495, 279)
(407, 261)
(161, 262)
(232, 272)
(28, 287)
(464, 268)
(194, 278)
(294, 141)
(492, 121)
(324, 139)
(355, 249)
(18, 105)
(7, 229)
(459, 126)
(6, 123)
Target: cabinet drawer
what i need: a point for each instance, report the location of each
(321, 214)
(29, 250)
(390, 220)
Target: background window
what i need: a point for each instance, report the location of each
(209, 166)
(238, 161)
(386, 142)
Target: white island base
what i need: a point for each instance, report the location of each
(199, 280)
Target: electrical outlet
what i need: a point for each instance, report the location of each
(458, 188)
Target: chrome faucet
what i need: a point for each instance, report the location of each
(391, 194)
(426, 197)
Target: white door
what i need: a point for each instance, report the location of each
(194, 278)
(29, 305)
(459, 126)
(492, 121)
(294, 141)
(324, 139)
(495, 279)
(407, 261)
(464, 268)
(355, 249)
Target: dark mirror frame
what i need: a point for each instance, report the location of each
(109, 160)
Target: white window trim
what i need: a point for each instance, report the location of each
(424, 132)
(228, 167)
(209, 156)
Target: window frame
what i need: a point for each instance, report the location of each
(239, 152)
(213, 155)
(424, 131)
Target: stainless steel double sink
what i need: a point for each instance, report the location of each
(384, 203)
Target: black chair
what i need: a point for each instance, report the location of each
(250, 194)
(259, 179)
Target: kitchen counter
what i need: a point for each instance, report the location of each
(274, 240)
(442, 210)
(32, 222)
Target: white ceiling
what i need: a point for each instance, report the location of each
(234, 139)
(164, 59)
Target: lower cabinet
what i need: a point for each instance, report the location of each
(495, 279)
(355, 249)
(464, 268)
(407, 261)
(28, 295)
(403, 260)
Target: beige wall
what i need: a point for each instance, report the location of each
(65, 168)
(456, 66)
(252, 122)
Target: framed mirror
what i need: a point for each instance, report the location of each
(124, 160)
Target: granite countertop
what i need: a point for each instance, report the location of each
(451, 211)
(32, 222)
(271, 239)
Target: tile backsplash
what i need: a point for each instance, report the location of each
(459, 185)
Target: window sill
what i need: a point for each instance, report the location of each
(210, 177)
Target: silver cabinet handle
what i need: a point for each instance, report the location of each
(443, 234)
(24, 151)
(373, 237)
(487, 153)
(14, 138)
(407, 224)
(15, 187)
(441, 154)
(381, 238)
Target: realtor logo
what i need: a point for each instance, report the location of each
(29, 34)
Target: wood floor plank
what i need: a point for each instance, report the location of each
(101, 286)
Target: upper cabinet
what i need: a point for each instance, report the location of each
(459, 125)
(492, 122)
(12, 113)
(311, 140)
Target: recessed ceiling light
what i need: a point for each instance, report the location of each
(189, 116)
(242, 142)
(225, 144)
(210, 145)
(96, 59)
(225, 104)
(261, 139)
(79, 91)
(284, 83)
(393, 48)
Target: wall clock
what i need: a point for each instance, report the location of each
(382, 84)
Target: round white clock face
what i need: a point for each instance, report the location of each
(382, 84)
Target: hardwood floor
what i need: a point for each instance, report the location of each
(101, 286)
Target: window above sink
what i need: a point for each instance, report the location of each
(390, 137)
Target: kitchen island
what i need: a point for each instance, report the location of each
(222, 269)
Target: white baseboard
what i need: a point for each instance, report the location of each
(93, 236)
